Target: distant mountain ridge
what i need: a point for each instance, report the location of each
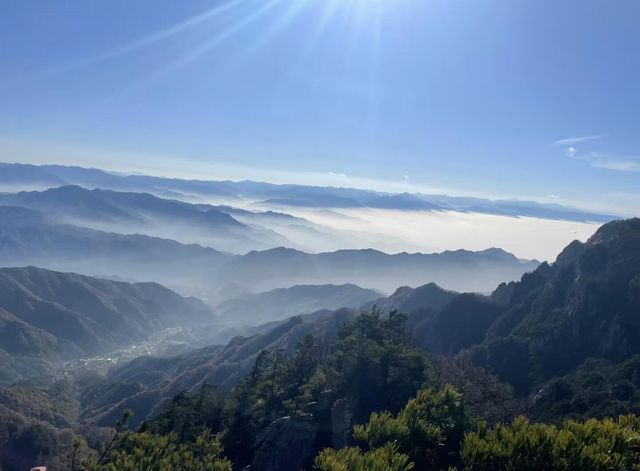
(24, 176)
(28, 237)
(128, 212)
(461, 269)
(282, 303)
(75, 201)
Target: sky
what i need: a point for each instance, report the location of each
(530, 99)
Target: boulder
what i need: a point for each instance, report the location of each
(287, 444)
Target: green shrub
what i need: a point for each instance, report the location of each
(386, 458)
(592, 445)
(145, 451)
(426, 433)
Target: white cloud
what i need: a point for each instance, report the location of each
(618, 162)
(406, 177)
(334, 174)
(569, 141)
(398, 231)
(623, 165)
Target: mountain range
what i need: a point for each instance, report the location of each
(143, 213)
(15, 177)
(29, 237)
(32, 238)
(460, 270)
(564, 337)
(557, 340)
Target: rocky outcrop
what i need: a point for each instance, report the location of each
(341, 422)
(287, 444)
(585, 305)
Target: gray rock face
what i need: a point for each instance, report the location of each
(341, 422)
(287, 444)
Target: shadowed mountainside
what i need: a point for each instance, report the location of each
(52, 316)
(585, 305)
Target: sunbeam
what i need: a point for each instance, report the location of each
(153, 38)
(291, 13)
(215, 41)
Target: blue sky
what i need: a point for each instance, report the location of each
(530, 99)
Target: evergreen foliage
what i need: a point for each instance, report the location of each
(429, 429)
(408, 423)
(370, 362)
(190, 414)
(373, 363)
(427, 432)
(145, 451)
(386, 458)
(592, 445)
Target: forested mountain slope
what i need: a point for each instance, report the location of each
(586, 304)
(55, 316)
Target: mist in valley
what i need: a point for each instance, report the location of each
(328, 235)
